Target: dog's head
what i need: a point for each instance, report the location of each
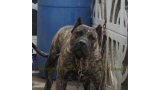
(84, 39)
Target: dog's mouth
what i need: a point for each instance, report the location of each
(80, 50)
(80, 53)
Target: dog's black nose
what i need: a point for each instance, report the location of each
(82, 42)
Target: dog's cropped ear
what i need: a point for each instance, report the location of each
(99, 30)
(99, 33)
(78, 22)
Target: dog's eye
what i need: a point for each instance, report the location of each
(91, 37)
(79, 33)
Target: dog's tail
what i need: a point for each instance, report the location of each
(39, 51)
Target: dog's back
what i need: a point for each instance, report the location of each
(60, 38)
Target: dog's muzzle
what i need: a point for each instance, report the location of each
(80, 49)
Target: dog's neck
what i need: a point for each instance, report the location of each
(94, 56)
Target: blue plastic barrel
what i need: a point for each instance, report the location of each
(54, 14)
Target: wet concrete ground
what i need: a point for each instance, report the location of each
(39, 82)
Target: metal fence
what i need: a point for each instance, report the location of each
(113, 16)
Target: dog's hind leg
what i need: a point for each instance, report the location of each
(49, 80)
(49, 70)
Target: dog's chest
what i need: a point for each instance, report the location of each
(88, 71)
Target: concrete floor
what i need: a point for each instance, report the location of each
(38, 83)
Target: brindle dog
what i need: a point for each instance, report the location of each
(75, 49)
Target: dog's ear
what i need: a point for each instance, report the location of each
(78, 22)
(99, 33)
(99, 30)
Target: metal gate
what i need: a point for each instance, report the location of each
(113, 16)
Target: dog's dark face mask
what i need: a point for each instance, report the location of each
(84, 39)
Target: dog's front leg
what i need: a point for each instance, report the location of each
(98, 80)
(97, 85)
(86, 85)
(61, 82)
